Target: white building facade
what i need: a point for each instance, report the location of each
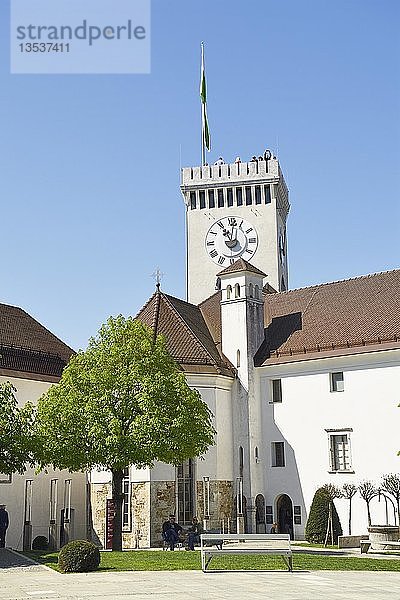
(51, 504)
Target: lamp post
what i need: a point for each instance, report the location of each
(206, 502)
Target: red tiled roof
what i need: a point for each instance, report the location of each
(241, 265)
(333, 317)
(188, 338)
(25, 345)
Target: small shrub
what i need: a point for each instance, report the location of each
(40, 543)
(318, 519)
(79, 556)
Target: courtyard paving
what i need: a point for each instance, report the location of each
(22, 579)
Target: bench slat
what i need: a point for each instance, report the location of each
(249, 543)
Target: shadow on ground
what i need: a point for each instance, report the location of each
(10, 559)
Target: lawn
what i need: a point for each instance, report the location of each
(154, 560)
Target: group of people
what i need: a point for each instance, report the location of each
(172, 532)
(4, 522)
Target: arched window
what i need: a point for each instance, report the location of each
(251, 290)
(256, 292)
(238, 358)
(228, 292)
(237, 290)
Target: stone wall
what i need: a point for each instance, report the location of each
(98, 496)
(221, 503)
(162, 503)
(139, 537)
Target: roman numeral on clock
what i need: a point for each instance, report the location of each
(221, 260)
(211, 243)
(232, 221)
(252, 240)
(248, 230)
(221, 224)
(213, 253)
(249, 251)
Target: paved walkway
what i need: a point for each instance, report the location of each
(22, 579)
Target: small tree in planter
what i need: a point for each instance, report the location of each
(348, 491)
(367, 492)
(391, 485)
(323, 520)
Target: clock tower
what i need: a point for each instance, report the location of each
(234, 211)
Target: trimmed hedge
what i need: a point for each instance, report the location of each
(40, 543)
(79, 556)
(318, 519)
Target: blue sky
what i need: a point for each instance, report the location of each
(89, 164)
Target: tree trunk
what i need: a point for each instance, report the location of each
(117, 476)
(349, 516)
(369, 515)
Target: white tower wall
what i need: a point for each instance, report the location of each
(260, 182)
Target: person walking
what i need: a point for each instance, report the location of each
(4, 522)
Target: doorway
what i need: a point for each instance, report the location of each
(284, 511)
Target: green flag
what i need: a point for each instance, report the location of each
(203, 95)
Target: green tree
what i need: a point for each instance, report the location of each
(318, 519)
(16, 440)
(122, 401)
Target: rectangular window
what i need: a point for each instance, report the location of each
(211, 199)
(267, 194)
(202, 196)
(239, 196)
(185, 488)
(336, 382)
(258, 194)
(269, 516)
(53, 500)
(28, 501)
(278, 454)
(247, 190)
(220, 198)
(339, 445)
(229, 195)
(297, 515)
(126, 510)
(192, 200)
(67, 499)
(276, 390)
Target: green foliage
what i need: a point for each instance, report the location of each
(317, 522)
(16, 439)
(79, 556)
(40, 543)
(123, 401)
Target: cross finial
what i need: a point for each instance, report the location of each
(158, 276)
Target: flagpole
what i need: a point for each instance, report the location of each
(203, 149)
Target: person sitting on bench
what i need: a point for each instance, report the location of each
(171, 531)
(194, 532)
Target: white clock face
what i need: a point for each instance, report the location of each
(231, 238)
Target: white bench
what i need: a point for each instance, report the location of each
(392, 544)
(246, 543)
